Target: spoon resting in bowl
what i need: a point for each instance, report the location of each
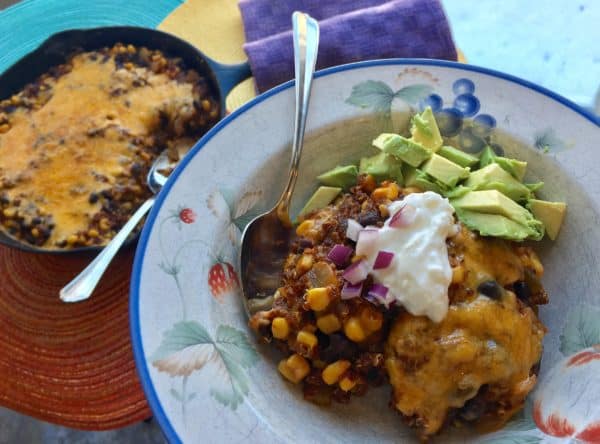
(266, 238)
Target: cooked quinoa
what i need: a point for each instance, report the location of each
(478, 364)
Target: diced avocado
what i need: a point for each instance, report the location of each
(414, 177)
(341, 176)
(550, 213)
(321, 198)
(457, 192)
(425, 131)
(405, 149)
(445, 170)
(494, 177)
(494, 202)
(515, 167)
(533, 187)
(494, 225)
(382, 166)
(457, 156)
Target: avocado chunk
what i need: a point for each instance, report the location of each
(425, 130)
(414, 177)
(341, 176)
(516, 168)
(445, 170)
(457, 156)
(494, 202)
(550, 213)
(494, 177)
(321, 198)
(533, 187)
(493, 225)
(404, 149)
(382, 166)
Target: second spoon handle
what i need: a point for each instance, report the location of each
(83, 285)
(306, 44)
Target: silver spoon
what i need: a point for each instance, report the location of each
(83, 285)
(266, 239)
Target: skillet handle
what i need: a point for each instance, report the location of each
(229, 76)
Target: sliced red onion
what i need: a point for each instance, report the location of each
(356, 272)
(366, 241)
(383, 260)
(380, 295)
(403, 217)
(377, 293)
(350, 291)
(353, 229)
(340, 254)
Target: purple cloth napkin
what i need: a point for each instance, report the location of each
(351, 30)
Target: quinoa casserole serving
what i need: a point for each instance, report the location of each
(77, 143)
(391, 280)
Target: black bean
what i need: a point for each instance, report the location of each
(338, 347)
(522, 290)
(473, 409)
(93, 198)
(491, 289)
(368, 218)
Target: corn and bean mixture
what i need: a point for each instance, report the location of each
(478, 364)
(76, 144)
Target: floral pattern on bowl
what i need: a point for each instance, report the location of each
(204, 374)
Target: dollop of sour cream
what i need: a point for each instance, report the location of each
(420, 273)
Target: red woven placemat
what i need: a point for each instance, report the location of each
(70, 364)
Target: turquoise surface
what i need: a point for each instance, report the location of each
(25, 25)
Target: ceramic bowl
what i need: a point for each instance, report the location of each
(206, 377)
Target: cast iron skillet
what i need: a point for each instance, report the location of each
(58, 47)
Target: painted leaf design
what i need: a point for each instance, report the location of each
(243, 213)
(581, 329)
(246, 203)
(218, 206)
(547, 140)
(175, 394)
(413, 94)
(236, 355)
(372, 94)
(184, 348)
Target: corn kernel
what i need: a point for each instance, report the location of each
(537, 266)
(318, 298)
(333, 372)
(205, 104)
(353, 330)
(371, 320)
(383, 210)
(35, 232)
(294, 369)
(280, 328)
(329, 323)
(458, 274)
(305, 227)
(380, 194)
(307, 338)
(368, 183)
(347, 384)
(9, 212)
(304, 264)
(4, 127)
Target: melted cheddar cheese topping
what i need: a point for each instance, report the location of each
(79, 141)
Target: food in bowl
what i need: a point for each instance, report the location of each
(411, 269)
(76, 144)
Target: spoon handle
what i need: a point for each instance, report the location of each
(83, 285)
(306, 43)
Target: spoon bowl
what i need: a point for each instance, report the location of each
(266, 239)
